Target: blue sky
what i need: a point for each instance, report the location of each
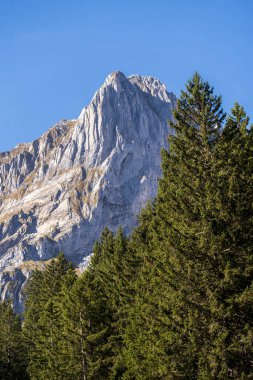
(54, 54)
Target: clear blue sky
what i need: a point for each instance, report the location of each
(54, 54)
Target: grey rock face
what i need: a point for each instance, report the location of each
(58, 192)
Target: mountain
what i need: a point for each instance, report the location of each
(59, 192)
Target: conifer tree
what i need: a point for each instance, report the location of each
(192, 310)
(71, 353)
(170, 302)
(13, 360)
(43, 321)
(231, 343)
(88, 310)
(102, 284)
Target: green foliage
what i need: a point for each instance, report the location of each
(43, 320)
(104, 282)
(13, 359)
(174, 300)
(188, 318)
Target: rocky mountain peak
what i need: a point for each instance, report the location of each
(115, 77)
(58, 192)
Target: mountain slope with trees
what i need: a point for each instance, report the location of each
(174, 299)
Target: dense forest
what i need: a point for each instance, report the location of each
(174, 300)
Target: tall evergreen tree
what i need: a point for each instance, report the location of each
(76, 350)
(43, 322)
(103, 283)
(179, 243)
(89, 341)
(231, 342)
(13, 360)
(192, 312)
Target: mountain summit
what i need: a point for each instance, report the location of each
(59, 192)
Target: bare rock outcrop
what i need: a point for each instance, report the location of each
(58, 192)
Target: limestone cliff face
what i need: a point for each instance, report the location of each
(58, 192)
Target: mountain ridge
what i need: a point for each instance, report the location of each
(58, 192)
